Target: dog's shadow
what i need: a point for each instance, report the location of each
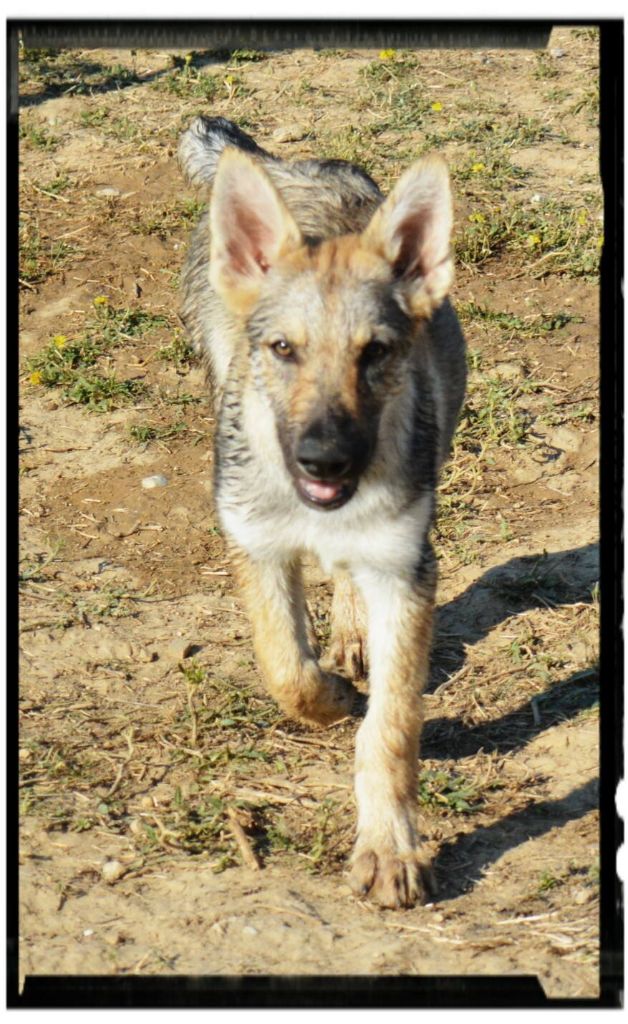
(538, 581)
(532, 581)
(461, 861)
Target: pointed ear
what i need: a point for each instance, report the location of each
(412, 230)
(250, 229)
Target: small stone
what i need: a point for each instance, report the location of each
(115, 650)
(112, 870)
(509, 371)
(583, 896)
(88, 932)
(143, 654)
(108, 190)
(289, 133)
(564, 438)
(180, 649)
(249, 930)
(157, 480)
(557, 52)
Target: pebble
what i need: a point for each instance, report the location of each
(583, 896)
(249, 930)
(115, 650)
(112, 870)
(557, 52)
(564, 438)
(509, 371)
(289, 133)
(157, 480)
(108, 190)
(180, 648)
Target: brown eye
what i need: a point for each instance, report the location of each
(374, 352)
(282, 349)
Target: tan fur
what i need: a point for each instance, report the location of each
(283, 644)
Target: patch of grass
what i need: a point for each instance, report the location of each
(497, 132)
(590, 103)
(179, 352)
(93, 118)
(70, 364)
(145, 433)
(443, 791)
(123, 129)
(247, 56)
(37, 135)
(489, 170)
(545, 66)
(491, 415)
(188, 82)
(548, 881)
(57, 185)
(41, 257)
(102, 394)
(164, 219)
(528, 327)
(552, 236)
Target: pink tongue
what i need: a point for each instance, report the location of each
(320, 491)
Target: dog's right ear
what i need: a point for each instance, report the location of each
(251, 228)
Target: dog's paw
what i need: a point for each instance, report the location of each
(390, 880)
(347, 654)
(320, 698)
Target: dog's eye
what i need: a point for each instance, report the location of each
(283, 349)
(374, 352)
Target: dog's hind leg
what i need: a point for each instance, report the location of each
(386, 862)
(347, 648)
(273, 593)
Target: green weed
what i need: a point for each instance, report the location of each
(71, 364)
(443, 791)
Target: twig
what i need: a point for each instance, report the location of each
(249, 856)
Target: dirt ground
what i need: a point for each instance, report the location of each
(172, 821)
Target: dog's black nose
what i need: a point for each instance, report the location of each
(330, 449)
(322, 465)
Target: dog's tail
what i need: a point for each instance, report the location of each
(201, 145)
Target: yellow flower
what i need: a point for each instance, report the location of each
(229, 79)
(582, 217)
(534, 239)
(59, 340)
(437, 106)
(188, 58)
(387, 54)
(476, 168)
(477, 218)
(35, 378)
(101, 300)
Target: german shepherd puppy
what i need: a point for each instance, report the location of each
(338, 368)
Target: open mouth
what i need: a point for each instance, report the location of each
(325, 494)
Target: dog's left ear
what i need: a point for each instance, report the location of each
(412, 230)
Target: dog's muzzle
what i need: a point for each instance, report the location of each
(330, 456)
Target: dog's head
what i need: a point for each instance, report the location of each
(331, 324)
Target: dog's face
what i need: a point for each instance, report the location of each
(330, 325)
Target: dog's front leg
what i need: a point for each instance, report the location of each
(273, 592)
(386, 862)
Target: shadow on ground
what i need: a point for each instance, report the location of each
(545, 580)
(460, 862)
